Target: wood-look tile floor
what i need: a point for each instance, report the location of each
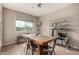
(18, 49)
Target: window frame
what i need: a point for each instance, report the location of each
(25, 25)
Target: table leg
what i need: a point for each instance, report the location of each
(45, 47)
(41, 49)
(41, 52)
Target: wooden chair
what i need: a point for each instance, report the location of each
(33, 46)
(27, 45)
(30, 46)
(51, 49)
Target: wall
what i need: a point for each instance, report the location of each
(0, 26)
(9, 17)
(71, 11)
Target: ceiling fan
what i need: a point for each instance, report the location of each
(39, 5)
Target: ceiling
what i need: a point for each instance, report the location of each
(32, 9)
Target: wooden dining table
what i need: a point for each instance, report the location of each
(42, 42)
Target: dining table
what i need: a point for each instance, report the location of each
(42, 42)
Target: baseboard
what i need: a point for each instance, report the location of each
(74, 48)
(9, 43)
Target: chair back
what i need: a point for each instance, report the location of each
(64, 35)
(54, 44)
(28, 42)
(33, 45)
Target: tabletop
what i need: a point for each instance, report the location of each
(39, 39)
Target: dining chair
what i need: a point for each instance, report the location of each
(30, 46)
(62, 37)
(51, 49)
(33, 46)
(27, 46)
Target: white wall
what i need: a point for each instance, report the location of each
(71, 11)
(9, 17)
(0, 26)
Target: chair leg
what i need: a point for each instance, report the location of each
(50, 53)
(54, 52)
(33, 51)
(57, 41)
(26, 48)
(62, 42)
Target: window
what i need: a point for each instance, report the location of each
(29, 25)
(23, 25)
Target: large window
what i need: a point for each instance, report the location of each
(24, 25)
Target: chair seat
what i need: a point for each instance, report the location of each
(61, 38)
(49, 49)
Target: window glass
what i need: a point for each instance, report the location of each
(29, 25)
(23, 25)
